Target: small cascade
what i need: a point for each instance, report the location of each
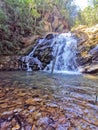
(30, 59)
(34, 49)
(64, 53)
(34, 59)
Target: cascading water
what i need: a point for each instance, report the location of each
(64, 49)
(64, 52)
(29, 58)
(34, 60)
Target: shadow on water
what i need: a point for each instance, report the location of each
(39, 100)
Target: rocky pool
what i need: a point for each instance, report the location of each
(42, 101)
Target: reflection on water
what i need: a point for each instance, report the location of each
(57, 101)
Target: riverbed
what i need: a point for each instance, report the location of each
(44, 101)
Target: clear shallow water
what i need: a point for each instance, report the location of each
(59, 84)
(68, 96)
(46, 79)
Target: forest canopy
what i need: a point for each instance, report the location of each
(22, 18)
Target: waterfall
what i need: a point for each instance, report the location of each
(63, 59)
(64, 52)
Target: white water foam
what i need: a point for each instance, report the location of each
(65, 61)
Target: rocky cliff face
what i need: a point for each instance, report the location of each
(54, 22)
(87, 57)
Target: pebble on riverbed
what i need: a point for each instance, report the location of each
(29, 109)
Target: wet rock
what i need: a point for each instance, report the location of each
(84, 61)
(89, 69)
(94, 50)
(49, 36)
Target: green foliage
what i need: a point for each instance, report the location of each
(89, 16)
(21, 18)
(3, 17)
